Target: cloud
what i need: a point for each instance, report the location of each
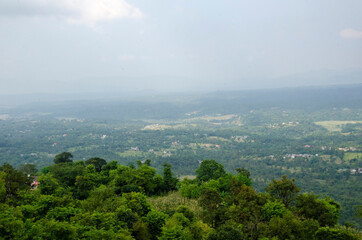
(350, 33)
(74, 11)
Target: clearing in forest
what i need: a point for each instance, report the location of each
(335, 126)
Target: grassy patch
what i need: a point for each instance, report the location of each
(349, 156)
(82, 148)
(213, 118)
(170, 202)
(187, 176)
(164, 126)
(130, 153)
(335, 126)
(219, 139)
(326, 158)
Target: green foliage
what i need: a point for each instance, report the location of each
(102, 234)
(145, 177)
(324, 210)
(62, 213)
(177, 227)
(190, 190)
(244, 179)
(326, 233)
(126, 216)
(244, 172)
(112, 165)
(51, 229)
(140, 230)
(186, 212)
(212, 184)
(171, 232)
(284, 190)
(101, 199)
(98, 220)
(359, 211)
(226, 232)
(155, 221)
(14, 181)
(67, 172)
(210, 169)
(97, 162)
(137, 202)
(83, 184)
(273, 209)
(282, 228)
(2, 186)
(11, 224)
(210, 202)
(182, 225)
(48, 184)
(261, 136)
(28, 169)
(228, 207)
(169, 182)
(246, 209)
(64, 157)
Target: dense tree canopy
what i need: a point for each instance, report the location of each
(285, 190)
(74, 200)
(210, 169)
(63, 157)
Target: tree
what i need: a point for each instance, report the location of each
(176, 227)
(155, 221)
(66, 173)
(359, 211)
(246, 209)
(148, 162)
(51, 229)
(210, 201)
(48, 184)
(186, 212)
(28, 169)
(210, 169)
(190, 190)
(285, 190)
(112, 165)
(144, 177)
(83, 185)
(63, 157)
(273, 209)
(169, 181)
(226, 232)
(243, 171)
(325, 210)
(13, 180)
(326, 233)
(137, 202)
(2, 186)
(11, 223)
(286, 227)
(97, 162)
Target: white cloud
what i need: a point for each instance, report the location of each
(350, 33)
(74, 11)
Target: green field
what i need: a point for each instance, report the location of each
(335, 126)
(349, 156)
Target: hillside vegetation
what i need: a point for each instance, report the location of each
(94, 199)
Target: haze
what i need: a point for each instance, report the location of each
(63, 46)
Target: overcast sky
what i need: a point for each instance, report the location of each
(116, 45)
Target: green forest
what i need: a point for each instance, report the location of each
(313, 135)
(96, 199)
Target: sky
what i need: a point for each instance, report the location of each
(73, 46)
